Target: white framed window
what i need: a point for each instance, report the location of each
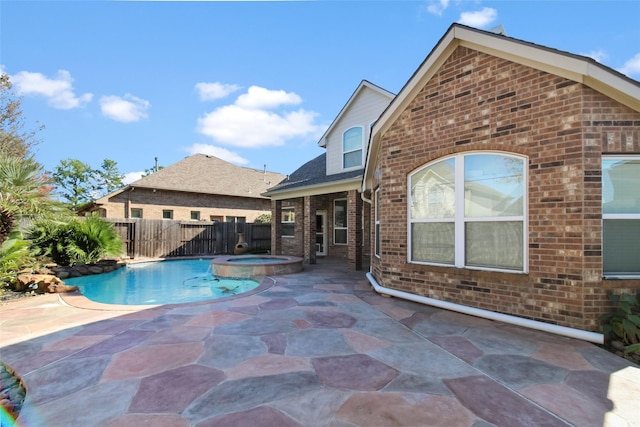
(288, 220)
(167, 214)
(340, 221)
(377, 223)
(352, 147)
(195, 215)
(621, 216)
(468, 210)
(136, 212)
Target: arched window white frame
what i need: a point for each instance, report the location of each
(469, 211)
(352, 140)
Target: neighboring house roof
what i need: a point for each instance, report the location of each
(312, 179)
(205, 174)
(578, 68)
(364, 83)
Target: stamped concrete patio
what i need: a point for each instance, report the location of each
(318, 348)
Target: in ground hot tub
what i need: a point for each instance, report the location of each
(246, 266)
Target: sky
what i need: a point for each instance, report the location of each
(255, 83)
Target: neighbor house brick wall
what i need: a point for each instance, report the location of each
(480, 102)
(153, 203)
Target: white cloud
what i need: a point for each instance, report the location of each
(219, 152)
(437, 7)
(254, 120)
(632, 66)
(58, 90)
(598, 55)
(126, 109)
(478, 19)
(131, 177)
(211, 91)
(259, 97)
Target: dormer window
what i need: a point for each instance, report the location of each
(352, 147)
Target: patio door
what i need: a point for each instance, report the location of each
(321, 233)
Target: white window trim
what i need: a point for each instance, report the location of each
(459, 219)
(617, 216)
(340, 228)
(287, 236)
(361, 149)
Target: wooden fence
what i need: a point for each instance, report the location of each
(159, 238)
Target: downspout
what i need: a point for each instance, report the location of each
(486, 314)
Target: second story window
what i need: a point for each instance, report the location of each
(352, 148)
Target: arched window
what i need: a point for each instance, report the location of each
(352, 147)
(469, 210)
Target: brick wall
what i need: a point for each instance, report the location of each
(480, 102)
(153, 203)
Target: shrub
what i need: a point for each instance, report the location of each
(624, 321)
(263, 219)
(14, 255)
(80, 240)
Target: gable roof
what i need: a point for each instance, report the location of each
(312, 179)
(363, 84)
(205, 174)
(574, 67)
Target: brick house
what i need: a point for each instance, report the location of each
(318, 209)
(197, 188)
(505, 177)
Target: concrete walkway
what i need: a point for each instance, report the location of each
(318, 348)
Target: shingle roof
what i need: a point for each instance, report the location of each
(312, 173)
(210, 175)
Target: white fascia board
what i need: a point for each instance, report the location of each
(318, 189)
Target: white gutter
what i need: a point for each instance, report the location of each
(514, 320)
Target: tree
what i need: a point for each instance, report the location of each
(108, 177)
(24, 192)
(15, 139)
(74, 182)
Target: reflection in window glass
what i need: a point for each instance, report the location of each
(493, 186)
(621, 216)
(340, 222)
(468, 210)
(352, 148)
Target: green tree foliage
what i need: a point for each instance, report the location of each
(15, 139)
(24, 192)
(80, 240)
(108, 177)
(73, 179)
(263, 219)
(78, 183)
(623, 322)
(14, 255)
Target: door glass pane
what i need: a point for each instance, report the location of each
(494, 244)
(433, 242)
(493, 185)
(621, 246)
(433, 191)
(620, 182)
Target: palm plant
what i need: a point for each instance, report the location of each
(80, 240)
(24, 192)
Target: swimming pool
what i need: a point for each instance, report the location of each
(165, 282)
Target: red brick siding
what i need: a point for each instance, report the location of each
(480, 102)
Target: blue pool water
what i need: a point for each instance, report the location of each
(166, 282)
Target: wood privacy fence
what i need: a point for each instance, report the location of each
(158, 238)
